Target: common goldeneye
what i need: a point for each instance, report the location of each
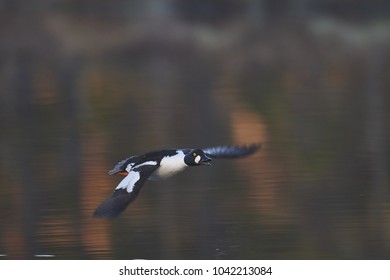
(159, 165)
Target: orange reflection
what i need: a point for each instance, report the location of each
(95, 235)
(262, 170)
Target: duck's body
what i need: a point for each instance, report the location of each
(169, 166)
(160, 165)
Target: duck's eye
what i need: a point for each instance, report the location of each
(194, 154)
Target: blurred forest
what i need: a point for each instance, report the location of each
(86, 83)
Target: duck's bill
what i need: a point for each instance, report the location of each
(205, 161)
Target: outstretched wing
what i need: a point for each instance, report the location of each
(231, 151)
(123, 167)
(126, 191)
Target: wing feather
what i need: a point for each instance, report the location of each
(120, 167)
(220, 152)
(126, 192)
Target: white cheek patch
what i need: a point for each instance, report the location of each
(197, 159)
(129, 181)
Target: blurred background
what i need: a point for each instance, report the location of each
(86, 83)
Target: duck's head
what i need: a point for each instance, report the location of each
(197, 157)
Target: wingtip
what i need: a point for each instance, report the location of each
(114, 205)
(107, 209)
(256, 146)
(103, 215)
(106, 212)
(252, 148)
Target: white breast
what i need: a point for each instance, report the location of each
(169, 166)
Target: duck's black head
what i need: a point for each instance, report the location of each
(197, 157)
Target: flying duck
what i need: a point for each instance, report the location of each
(160, 165)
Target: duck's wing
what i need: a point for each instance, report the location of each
(124, 166)
(126, 191)
(220, 152)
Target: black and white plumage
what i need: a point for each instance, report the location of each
(159, 165)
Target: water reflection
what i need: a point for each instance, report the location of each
(72, 106)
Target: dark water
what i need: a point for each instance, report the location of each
(73, 104)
